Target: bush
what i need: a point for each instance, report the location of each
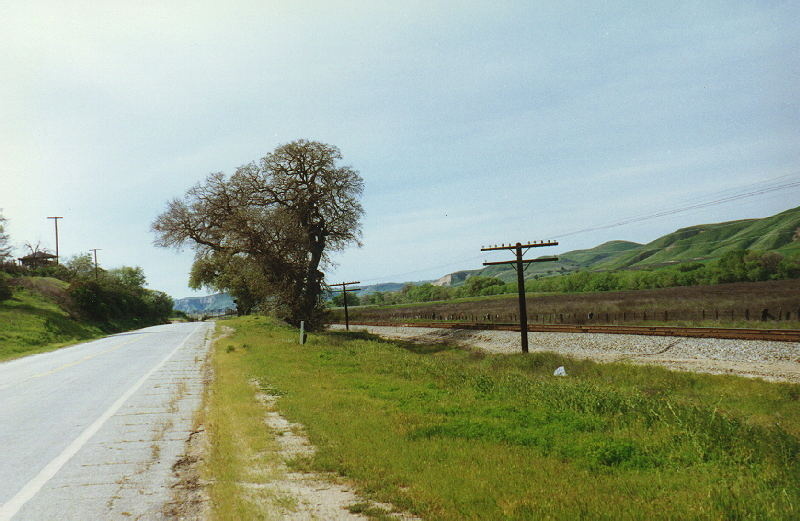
(12, 268)
(108, 299)
(5, 289)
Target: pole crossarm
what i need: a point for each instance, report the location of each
(343, 284)
(344, 291)
(520, 265)
(523, 261)
(514, 246)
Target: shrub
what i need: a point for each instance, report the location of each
(5, 290)
(108, 299)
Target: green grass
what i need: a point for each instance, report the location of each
(453, 434)
(242, 452)
(31, 323)
(32, 320)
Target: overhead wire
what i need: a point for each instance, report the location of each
(673, 211)
(753, 192)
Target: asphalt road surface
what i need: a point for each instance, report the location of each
(92, 431)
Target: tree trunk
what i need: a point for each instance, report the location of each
(312, 285)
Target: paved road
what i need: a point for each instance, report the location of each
(92, 431)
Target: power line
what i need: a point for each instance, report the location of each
(663, 213)
(673, 211)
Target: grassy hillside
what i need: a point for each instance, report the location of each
(695, 243)
(567, 262)
(41, 315)
(35, 319)
(711, 241)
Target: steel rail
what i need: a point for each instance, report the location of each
(780, 335)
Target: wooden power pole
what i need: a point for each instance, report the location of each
(55, 221)
(518, 265)
(344, 291)
(95, 250)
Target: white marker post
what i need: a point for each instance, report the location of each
(302, 332)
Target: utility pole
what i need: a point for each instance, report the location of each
(344, 291)
(55, 221)
(95, 250)
(518, 265)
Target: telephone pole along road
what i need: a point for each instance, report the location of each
(92, 431)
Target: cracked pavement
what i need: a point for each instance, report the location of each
(92, 431)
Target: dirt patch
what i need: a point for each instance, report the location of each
(189, 492)
(314, 496)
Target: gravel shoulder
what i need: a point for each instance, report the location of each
(773, 361)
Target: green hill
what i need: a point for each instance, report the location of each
(42, 314)
(711, 241)
(36, 318)
(780, 233)
(567, 262)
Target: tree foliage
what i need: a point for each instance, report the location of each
(264, 233)
(129, 277)
(119, 295)
(80, 266)
(352, 299)
(5, 241)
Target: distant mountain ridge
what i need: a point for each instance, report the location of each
(216, 303)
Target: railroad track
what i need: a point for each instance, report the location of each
(780, 335)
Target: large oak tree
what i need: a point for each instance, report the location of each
(265, 232)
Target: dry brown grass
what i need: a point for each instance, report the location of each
(680, 303)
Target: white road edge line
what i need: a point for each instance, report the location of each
(10, 508)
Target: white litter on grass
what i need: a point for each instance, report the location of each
(560, 371)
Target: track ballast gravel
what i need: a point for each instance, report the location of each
(774, 361)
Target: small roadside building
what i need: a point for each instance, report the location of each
(38, 259)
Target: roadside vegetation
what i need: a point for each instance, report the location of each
(734, 266)
(50, 306)
(453, 434)
(242, 451)
(31, 322)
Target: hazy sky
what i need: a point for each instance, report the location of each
(470, 122)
